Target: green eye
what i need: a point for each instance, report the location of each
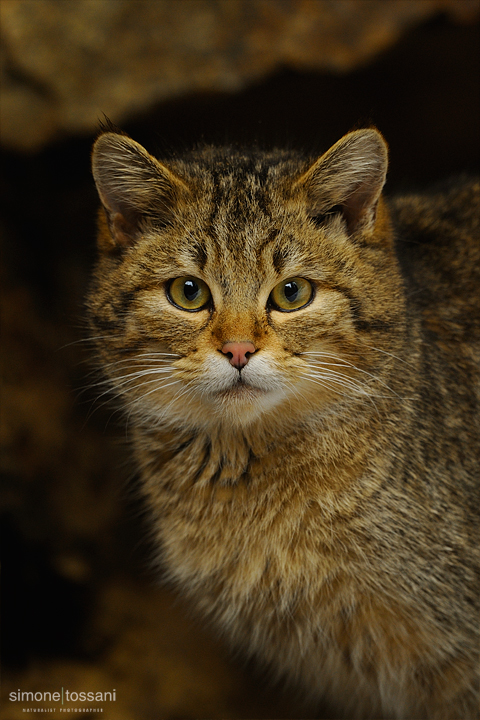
(291, 294)
(189, 293)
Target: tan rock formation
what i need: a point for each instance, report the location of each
(64, 64)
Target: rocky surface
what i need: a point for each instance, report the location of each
(64, 64)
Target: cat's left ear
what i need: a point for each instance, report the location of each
(133, 187)
(350, 176)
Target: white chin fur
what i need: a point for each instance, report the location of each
(241, 403)
(216, 396)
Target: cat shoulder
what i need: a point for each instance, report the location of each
(438, 241)
(446, 214)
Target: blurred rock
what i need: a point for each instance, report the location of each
(160, 662)
(65, 64)
(60, 484)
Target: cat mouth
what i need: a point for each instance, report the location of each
(241, 390)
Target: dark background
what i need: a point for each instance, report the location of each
(73, 527)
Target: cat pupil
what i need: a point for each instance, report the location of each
(190, 290)
(291, 291)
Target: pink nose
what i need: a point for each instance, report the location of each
(238, 353)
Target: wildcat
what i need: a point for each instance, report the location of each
(299, 363)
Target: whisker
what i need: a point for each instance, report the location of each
(375, 378)
(83, 340)
(339, 380)
(126, 379)
(145, 357)
(120, 393)
(143, 370)
(157, 353)
(364, 386)
(188, 390)
(137, 401)
(395, 357)
(141, 373)
(328, 385)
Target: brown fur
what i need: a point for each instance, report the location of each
(321, 505)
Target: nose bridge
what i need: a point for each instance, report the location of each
(237, 316)
(235, 325)
(236, 328)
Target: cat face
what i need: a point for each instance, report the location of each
(232, 287)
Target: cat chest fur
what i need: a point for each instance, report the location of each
(281, 565)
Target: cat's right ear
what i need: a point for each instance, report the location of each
(133, 187)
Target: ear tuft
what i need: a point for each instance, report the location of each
(132, 185)
(350, 176)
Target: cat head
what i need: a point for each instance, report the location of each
(237, 285)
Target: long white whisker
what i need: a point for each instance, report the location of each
(137, 401)
(395, 357)
(83, 340)
(365, 372)
(131, 376)
(365, 387)
(323, 383)
(328, 386)
(145, 357)
(159, 387)
(184, 391)
(344, 382)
